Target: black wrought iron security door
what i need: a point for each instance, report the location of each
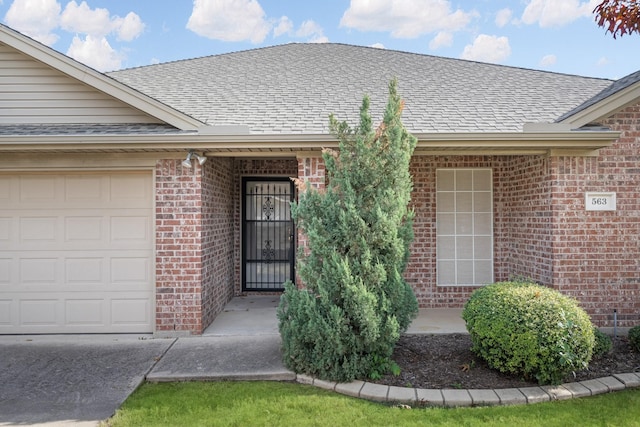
(268, 234)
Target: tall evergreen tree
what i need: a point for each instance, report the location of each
(346, 319)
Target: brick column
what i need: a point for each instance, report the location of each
(178, 248)
(311, 169)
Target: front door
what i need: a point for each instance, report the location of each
(268, 234)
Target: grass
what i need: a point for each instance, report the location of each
(290, 404)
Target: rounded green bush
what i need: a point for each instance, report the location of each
(603, 343)
(634, 337)
(530, 330)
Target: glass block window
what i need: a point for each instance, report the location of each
(464, 227)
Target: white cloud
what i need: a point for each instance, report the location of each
(80, 18)
(318, 39)
(229, 20)
(129, 27)
(378, 45)
(94, 49)
(548, 60)
(39, 19)
(95, 52)
(284, 26)
(555, 13)
(503, 17)
(441, 39)
(35, 18)
(313, 32)
(308, 28)
(404, 18)
(602, 61)
(487, 48)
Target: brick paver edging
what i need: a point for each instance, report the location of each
(476, 397)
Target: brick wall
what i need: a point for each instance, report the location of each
(523, 220)
(421, 271)
(597, 253)
(541, 228)
(178, 248)
(218, 210)
(311, 169)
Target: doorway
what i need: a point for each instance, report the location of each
(268, 234)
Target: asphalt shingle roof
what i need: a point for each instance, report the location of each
(292, 89)
(614, 87)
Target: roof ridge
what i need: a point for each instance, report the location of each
(349, 45)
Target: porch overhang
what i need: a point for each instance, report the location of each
(265, 145)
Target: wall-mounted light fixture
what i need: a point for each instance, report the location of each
(192, 155)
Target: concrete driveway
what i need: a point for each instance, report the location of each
(71, 380)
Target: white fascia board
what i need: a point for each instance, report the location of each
(585, 140)
(97, 80)
(545, 127)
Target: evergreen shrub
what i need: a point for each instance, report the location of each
(603, 343)
(530, 330)
(634, 337)
(344, 322)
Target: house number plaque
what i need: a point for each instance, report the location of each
(600, 201)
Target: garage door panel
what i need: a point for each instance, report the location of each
(84, 228)
(76, 253)
(130, 271)
(76, 190)
(131, 191)
(5, 271)
(88, 271)
(81, 312)
(5, 229)
(6, 313)
(38, 189)
(5, 189)
(130, 311)
(40, 271)
(109, 270)
(85, 188)
(129, 230)
(39, 230)
(39, 312)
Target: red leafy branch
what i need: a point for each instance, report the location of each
(619, 17)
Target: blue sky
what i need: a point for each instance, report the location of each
(553, 35)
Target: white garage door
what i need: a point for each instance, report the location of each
(76, 253)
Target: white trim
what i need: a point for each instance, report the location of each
(256, 144)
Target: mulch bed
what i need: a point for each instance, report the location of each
(446, 361)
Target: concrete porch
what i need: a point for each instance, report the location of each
(256, 315)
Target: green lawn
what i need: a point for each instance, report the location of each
(290, 404)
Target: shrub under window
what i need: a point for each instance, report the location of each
(530, 330)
